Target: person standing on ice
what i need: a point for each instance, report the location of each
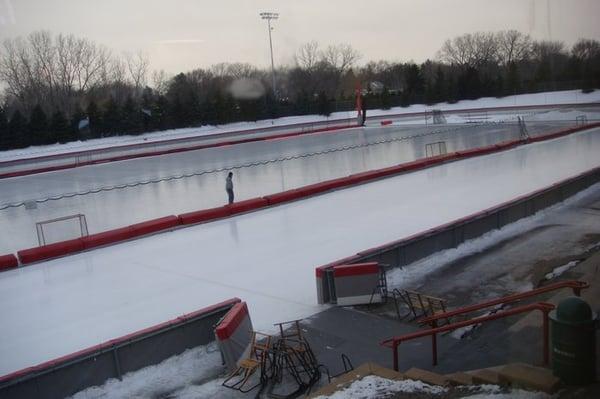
(229, 187)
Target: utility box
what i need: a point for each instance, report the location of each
(573, 344)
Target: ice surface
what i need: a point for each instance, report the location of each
(266, 258)
(195, 180)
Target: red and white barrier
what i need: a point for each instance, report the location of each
(234, 335)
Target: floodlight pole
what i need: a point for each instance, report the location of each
(269, 16)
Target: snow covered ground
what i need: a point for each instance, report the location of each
(547, 98)
(119, 289)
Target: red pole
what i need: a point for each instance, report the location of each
(434, 348)
(395, 349)
(434, 344)
(546, 334)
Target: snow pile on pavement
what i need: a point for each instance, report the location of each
(373, 386)
(561, 269)
(195, 365)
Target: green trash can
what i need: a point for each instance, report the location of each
(573, 344)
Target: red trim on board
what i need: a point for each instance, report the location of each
(108, 237)
(8, 262)
(232, 320)
(108, 344)
(357, 269)
(154, 225)
(50, 251)
(204, 215)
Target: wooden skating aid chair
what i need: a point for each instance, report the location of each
(259, 350)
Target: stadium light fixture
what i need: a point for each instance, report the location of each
(269, 16)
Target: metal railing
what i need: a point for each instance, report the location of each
(543, 307)
(577, 286)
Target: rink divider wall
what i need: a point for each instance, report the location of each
(167, 223)
(92, 366)
(139, 150)
(451, 235)
(182, 144)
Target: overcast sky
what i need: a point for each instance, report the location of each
(180, 35)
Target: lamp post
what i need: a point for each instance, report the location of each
(270, 16)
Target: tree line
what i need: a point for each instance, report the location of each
(60, 88)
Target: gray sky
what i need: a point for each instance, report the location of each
(180, 35)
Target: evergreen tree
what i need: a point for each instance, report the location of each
(96, 126)
(323, 104)
(59, 127)
(271, 107)
(74, 132)
(160, 113)
(5, 142)
(38, 127)
(131, 117)
(112, 118)
(17, 129)
(440, 89)
(386, 100)
(513, 81)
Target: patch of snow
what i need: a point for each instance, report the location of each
(373, 386)
(561, 269)
(173, 374)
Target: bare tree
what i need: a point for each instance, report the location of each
(341, 56)
(470, 50)
(137, 66)
(586, 50)
(308, 55)
(513, 46)
(160, 81)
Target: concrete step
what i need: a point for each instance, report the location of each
(486, 376)
(525, 376)
(426, 376)
(459, 378)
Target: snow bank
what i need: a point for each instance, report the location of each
(173, 374)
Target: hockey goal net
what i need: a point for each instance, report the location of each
(61, 229)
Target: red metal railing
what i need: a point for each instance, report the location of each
(545, 308)
(577, 286)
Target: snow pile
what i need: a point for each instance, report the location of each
(561, 269)
(377, 387)
(195, 365)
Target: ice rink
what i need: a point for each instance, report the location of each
(116, 194)
(267, 258)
